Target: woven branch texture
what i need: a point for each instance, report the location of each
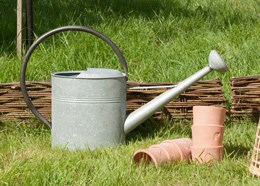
(206, 92)
(245, 96)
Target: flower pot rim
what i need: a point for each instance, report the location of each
(144, 151)
(209, 106)
(207, 147)
(207, 125)
(175, 139)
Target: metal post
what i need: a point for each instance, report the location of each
(29, 23)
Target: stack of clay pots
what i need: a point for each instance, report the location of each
(167, 151)
(207, 134)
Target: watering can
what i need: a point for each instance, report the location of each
(89, 106)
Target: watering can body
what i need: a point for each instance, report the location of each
(88, 110)
(89, 107)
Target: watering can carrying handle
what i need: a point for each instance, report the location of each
(45, 36)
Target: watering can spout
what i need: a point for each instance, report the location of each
(147, 110)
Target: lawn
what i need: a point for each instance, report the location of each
(27, 158)
(162, 41)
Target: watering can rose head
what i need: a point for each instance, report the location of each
(216, 62)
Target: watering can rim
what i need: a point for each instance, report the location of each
(90, 73)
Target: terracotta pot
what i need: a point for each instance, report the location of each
(184, 145)
(172, 150)
(207, 135)
(207, 154)
(205, 115)
(167, 151)
(154, 155)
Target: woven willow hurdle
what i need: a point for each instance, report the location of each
(206, 92)
(245, 96)
(12, 105)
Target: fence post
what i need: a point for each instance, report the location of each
(19, 35)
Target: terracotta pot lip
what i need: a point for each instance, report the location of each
(176, 139)
(207, 147)
(211, 107)
(208, 125)
(144, 151)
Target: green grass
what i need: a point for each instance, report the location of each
(27, 158)
(162, 41)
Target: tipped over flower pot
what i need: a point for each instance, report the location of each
(167, 151)
(204, 115)
(184, 145)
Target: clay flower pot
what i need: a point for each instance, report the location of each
(184, 145)
(207, 154)
(167, 151)
(154, 155)
(204, 115)
(207, 135)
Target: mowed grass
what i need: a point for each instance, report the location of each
(162, 41)
(27, 159)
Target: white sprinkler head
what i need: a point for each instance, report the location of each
(216, 62)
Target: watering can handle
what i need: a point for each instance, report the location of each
(45, 36)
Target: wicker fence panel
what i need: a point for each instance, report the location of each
(245, 96)
(12, 105)
(206, 92)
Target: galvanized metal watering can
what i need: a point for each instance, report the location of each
(89, 106)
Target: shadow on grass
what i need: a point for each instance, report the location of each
(51, 14)
(48, 15)
(253, 119)
(156, 128)
(30, 125)
(236, 150)
(243, 141)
